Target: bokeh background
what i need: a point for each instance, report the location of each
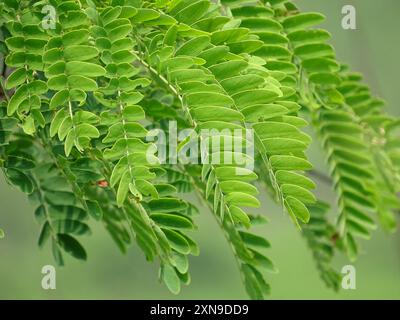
(372, 49)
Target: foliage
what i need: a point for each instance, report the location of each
(78, 101)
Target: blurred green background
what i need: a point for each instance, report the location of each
(371, 49)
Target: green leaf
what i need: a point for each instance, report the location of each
(194, 248)
(232, 173)
(181, 263)
(283, 145)
(254, 283)
(123, 188)
(297, 209)
(167, 205)
(321, 65)
(80, 53)
(84, 69)
(193, 12)
(274, 51)
(82, 83)
(177, 241)
(302, 21)
(69, 226)
(60, 198)
(210, 184)
(243, 82)
(289, 163)
(351, 247)
(85, 116)
(358, 230)
(314, 50)
(325, 78)
(261, 24)
(67, 212)
(131, 145)
(242, 199)
(145, 15)
(17, 78)
(287, 177)
(57, 121)
(208, 98)
(21, 180)
(45, 234)
(264, 262)
(298, 192)
(148, 189)
(225, 70)
(228, 35)
(170, 278)
(184, 75)
(253, 97)
(22, 162)
(130, 130)
(87, 130)
(59, 82)
(71, 246)
(64, 128)
(239, 216)
(28, 125)
(246, 46)
(170, 36)
(94, 209)
(215, 113)
(133, 113)
(272, 37)
(165, 190)
(75, 37)
(57, 253)
(309, 36)
(232, 186)
(255, 241)
(172, 221)
(17, 98)
(194, 46)
(279, 130)
(70, 141)
(259, 113)
(359, 199)
(250, 11)
(358, 215)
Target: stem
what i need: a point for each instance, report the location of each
(44, 204)
(3, 89)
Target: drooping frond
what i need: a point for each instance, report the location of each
(292, 43)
